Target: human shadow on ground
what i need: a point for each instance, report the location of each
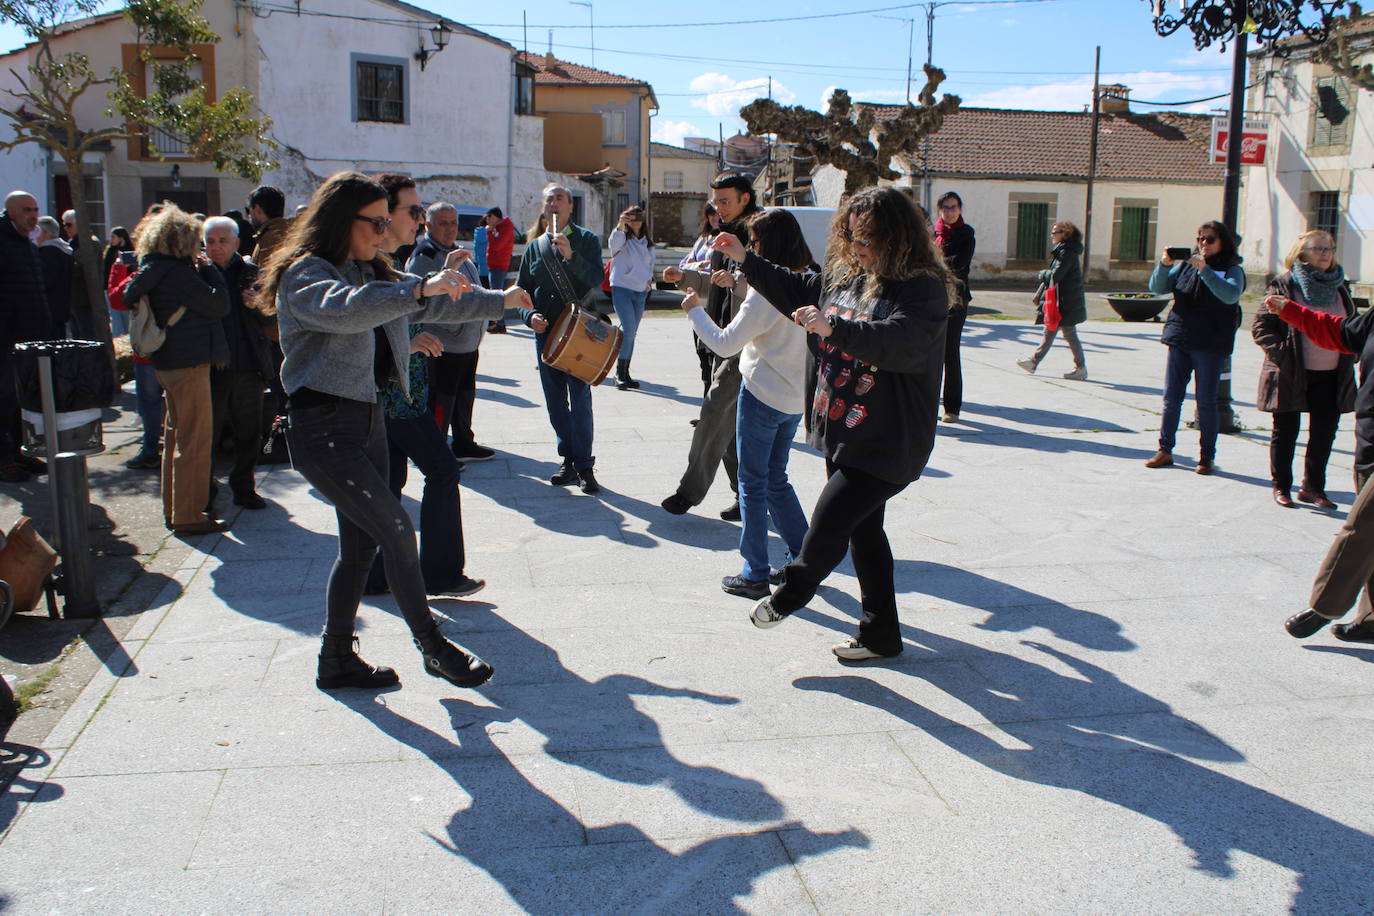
(1010, 609)
(502, 397)
(1040, 442)
(1041, 417)
(1364, 655)
(17, 788)
(554, 864)
(1091, 733)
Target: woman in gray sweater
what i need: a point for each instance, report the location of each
(344, 314)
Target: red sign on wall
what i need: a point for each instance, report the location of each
(1254, 142)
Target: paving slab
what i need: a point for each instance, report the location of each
(1096, 709)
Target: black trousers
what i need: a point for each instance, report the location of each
(453, 391)
(849, 518)
(341, 449)
(236, 397)
(1322, 390)
(954, 370)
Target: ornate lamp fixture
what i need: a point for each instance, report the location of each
(440, 33)
(1268, 20)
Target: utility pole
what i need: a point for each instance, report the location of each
(910, 39)
(1092, 165)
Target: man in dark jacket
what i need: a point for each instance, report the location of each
(236, 389)
(266, 209)
(58, 267)
(23, 316)
(576, 253)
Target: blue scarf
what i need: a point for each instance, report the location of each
(1319, 288)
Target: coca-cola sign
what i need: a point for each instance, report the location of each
(1254, 141)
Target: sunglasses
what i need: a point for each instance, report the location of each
(379, 223)
(417, 211)
(1206, 239)
(857, 240)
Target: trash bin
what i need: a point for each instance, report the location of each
(83, 386)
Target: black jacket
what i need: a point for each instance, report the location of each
(23, 302)
(1199, 320)
(249, 350)
(169, 283)
(58, 270)
(958, 242)
(877, 379)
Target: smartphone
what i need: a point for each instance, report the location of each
(1179, 254)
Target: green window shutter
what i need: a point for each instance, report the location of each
(1032, 231)
(1135, 234)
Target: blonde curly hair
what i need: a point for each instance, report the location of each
(172, 232)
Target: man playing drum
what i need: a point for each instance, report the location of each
(557, 245)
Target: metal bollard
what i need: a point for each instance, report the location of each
(71, 498)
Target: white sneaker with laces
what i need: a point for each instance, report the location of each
(1028, 364)
(853, 651)
(763, 616)
(1077, 375)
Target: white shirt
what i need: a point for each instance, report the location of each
(772, 351)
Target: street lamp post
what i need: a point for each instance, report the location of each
(1221, 21)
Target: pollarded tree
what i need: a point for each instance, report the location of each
(1338, 53)
(854, 142)
(43, 109)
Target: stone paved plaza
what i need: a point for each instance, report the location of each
(1097, 710)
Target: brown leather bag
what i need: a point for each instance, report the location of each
(26, 561)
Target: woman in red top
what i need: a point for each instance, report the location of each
(500, 245)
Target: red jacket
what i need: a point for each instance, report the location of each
(500, 245)
(120, 275)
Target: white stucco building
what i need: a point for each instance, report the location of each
(1319, 170)
(1019, 171)
(349, 84)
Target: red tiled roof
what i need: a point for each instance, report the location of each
(567, 73)
(1170, 146)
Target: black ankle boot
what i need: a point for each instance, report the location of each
(445, 660)
(629, 382)
(340, 666)
(622, 374)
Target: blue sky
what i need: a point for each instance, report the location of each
(1014, 54)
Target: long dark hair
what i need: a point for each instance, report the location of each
(325, 229)
(901, 237)
(706, 230)
(779, 239)
(643, 231)
(1227, 256)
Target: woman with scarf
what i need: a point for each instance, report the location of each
(1200, 333)
(956, 243)
(1065, 274)
(1299, 376)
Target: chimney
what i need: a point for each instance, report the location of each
(1116, 98)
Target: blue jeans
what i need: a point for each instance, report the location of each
(568, 400)
(149, 395)
(764, 438)
(497, 279)
(1206, 370)
(629, 308)
(442, 556)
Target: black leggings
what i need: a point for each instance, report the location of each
(849, 517)
(954, 370)
(1322, 393)
(341, 449)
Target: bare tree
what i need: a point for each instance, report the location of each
(43, 109)
(1337, 53)
(854, 142)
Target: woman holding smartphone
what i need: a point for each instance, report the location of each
(632, 276)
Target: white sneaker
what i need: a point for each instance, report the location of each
(763, 616)
(1028, 364)
(854, 651)
(1078, 375)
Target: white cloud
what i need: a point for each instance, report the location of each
(1074, 95)
(673, 132)
(726, 95)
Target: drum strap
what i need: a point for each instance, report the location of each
(553, 262)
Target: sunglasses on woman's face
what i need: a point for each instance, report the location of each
(1206, 239)
(379, 223)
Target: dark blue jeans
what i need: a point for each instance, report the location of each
(341, 449)
(148, 392)
(442, 555)
(629, 308)
(568, 400)
(764, 437)
(1205, 369)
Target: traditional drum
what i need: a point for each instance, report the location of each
(582, 345)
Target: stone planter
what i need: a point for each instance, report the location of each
(1135, 307)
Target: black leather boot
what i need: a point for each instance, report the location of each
(340, 666)
(629, 382)
(445, 660)
(622, 374)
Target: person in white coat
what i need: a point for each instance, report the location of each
(772, 393)
(632, 276)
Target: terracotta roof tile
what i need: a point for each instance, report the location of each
(567, 73)
(1171, 146)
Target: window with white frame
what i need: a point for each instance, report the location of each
(613, 128)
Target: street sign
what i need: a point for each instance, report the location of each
(1253, 144)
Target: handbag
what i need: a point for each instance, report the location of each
(606, 277)
(1052, 315)
(146, 336)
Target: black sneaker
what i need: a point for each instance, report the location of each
(250, 500)
(745, 588)
(589, 484)
(145, 461)
(566, 476)
(474, 452)
(732, 513)
(462, 588)
(676, 504)
(776, 577)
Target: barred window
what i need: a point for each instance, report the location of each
(380, 92)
